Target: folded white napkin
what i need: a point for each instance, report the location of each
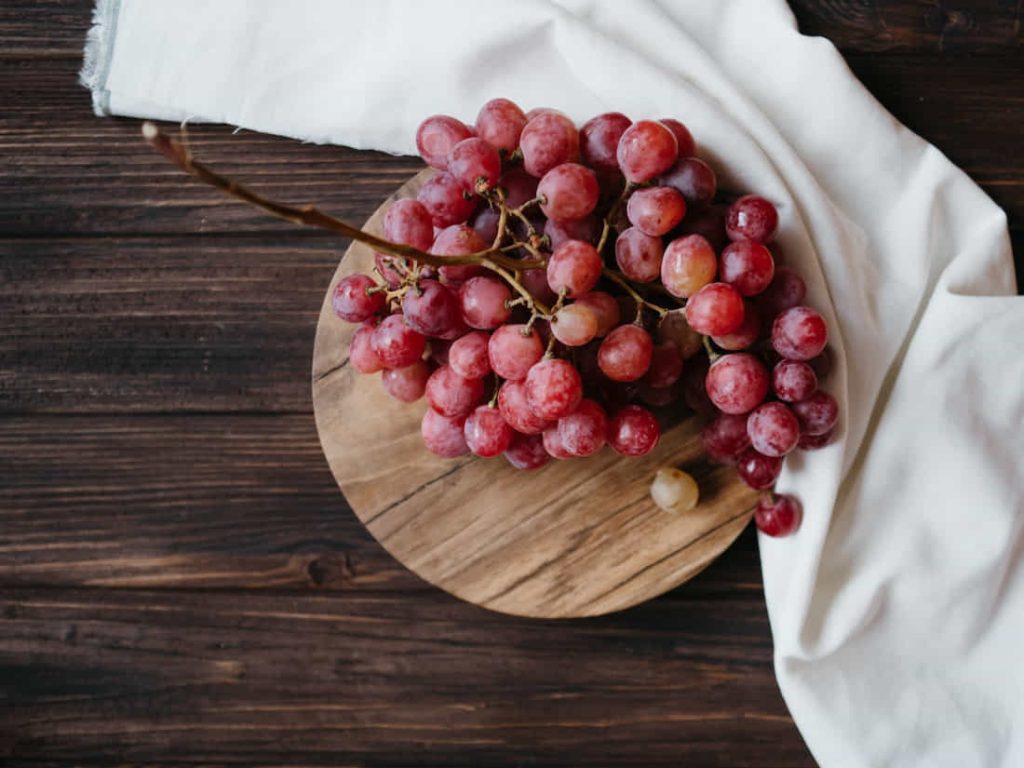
(898, 609)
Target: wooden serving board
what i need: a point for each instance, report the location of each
(575, 538)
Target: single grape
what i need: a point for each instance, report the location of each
(396, 344)
(666, 365)
(752, 218)
(605, 309)
(552, 440)
(467, 355)
(451, 395)
(708, 222)
(485, 223)
(360, 351)
(715, 310)
(445, 200)
(574, 267)
(458, 240)
(584, 432)
(406, 384)
(799, 333)
(773, 429)
(352, 300)
(746, 335)
(633, 431)
(535, 281)
(625, 354)
(516, 410)
(688, 265)
(513, 352)
(694, 180)
(443, 436)
(587, 229)
(574, 324)
(793, 380)
(432, 309)
(408, 222)
(737, 383)
(655, 210)
(778, 515)
(638, 255)
(436, 136)
(747, 266)
(757, 470)
(500, 123)
(527, 452)
(674, 490)
(673, 327)
(475, 164)
(549, 139)
(786, 290)
(485, 302)
(817, 414)
(725, 437)
(569, 190)
(684, 139)
(647, 148)
(815, 442)
(487, 434)
(599, 140)
(553, 388)
(519, 186)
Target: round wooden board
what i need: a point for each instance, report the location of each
(575, 538)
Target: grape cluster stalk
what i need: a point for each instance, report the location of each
(552, 290)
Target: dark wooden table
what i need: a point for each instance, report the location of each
(180, 580)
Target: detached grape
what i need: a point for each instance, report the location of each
(778, 515)
(674, 490)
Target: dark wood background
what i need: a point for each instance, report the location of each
(180, 580)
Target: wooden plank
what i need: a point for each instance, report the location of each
(139, 676)
(224, 502)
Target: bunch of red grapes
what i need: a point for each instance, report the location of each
(573, 279)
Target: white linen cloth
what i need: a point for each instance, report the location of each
(898, 609)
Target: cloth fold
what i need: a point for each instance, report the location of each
(897, 610)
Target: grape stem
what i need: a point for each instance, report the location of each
(641, 302)
(311, 216)
(712, 354)
(612, 213)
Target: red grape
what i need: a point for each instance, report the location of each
(451, 395)
(793, 380)
(406, 384)
(432, 309)
(436, 136)
(353, 302)
(584, 432)
(647, 148)
(587, 229)
(569, 191)
(747, 266)
(786, 290)
(516, 410)
(737, 383)
(688, 265)
(817, 414)
(694, 180)
(443, 436)
(625, 354)
(605, 309)
(485, 223)
(599, 139)
(487, 434)
(527, 452)
(467, 355)
(574, 324)
(633, 431)
(499, 123)
(814, 442)
(445, 200)
(485, 302)
(757, 470)
(684, 139)
(773, 429)
(549, 139)
(746, 335)
(458, 240)
(360, 351)
(520, 187)
(715, 310)
(778, 515)
(408, 222)
(396, 344)
(513, 354)
(638, 255)
(673, 327)
(535, 281)
(574, 267)
(552, 441)
(475, 164)
(655, 210)
(799, 333)
(666, 365)
(752, 218)
(725, 437)
(553, 388)
(708, 222)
